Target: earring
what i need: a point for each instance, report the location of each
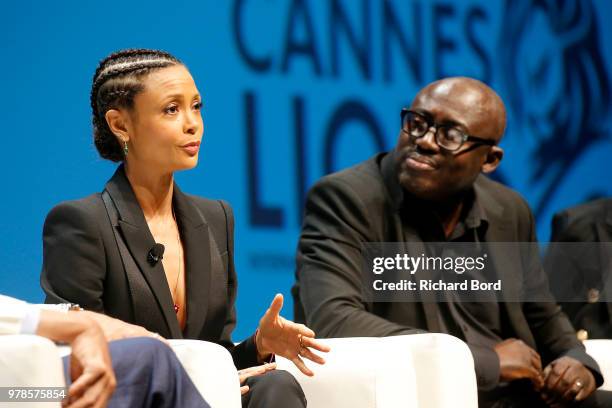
(125, 148)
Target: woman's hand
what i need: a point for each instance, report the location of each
(252, 372)
(287, 339)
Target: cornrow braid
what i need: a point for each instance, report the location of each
(117, 80)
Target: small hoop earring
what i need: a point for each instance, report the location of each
(125, 148)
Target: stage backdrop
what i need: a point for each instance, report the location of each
(295, 89)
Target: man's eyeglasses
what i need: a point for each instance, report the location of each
(448, 137)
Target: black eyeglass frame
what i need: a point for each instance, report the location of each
(430, 123)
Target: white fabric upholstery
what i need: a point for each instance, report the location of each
(212, 370)
(421, 370)
(358, 373)
(601, 351)
(30, 361)
(425, 370)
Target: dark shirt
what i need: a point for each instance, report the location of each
(477, 323)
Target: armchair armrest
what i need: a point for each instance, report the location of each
(420, 370)
(601, 351)
(212, 370)
(30, 361)
(210, 367)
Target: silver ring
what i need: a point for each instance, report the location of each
(301, 344)
(578, 384)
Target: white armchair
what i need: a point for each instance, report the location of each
(210, 367)
(601, 351)
(30, 361)
(407, 371)
(420, 370)
(212, 370)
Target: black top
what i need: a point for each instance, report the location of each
(83, 263)
(581, 279)
(476, 323)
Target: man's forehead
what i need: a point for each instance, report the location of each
(445, 107)
(462, 100)
(454, 94)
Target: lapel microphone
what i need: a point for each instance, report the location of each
(155, 254)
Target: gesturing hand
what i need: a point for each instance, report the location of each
(287, 339)
(567, 379)
(517, 360)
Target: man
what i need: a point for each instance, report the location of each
(129, 372)
(430, 189)
(581, 274)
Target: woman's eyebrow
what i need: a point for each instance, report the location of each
(172, 96)
(180, 96)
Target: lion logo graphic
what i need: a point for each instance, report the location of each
(557, 90)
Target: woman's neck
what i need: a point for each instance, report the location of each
(153, 191)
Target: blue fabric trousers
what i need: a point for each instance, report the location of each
(148, 375)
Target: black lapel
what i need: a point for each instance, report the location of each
(196, 243)
(413, 243)
(498, 231)
(139, 241)
(414, 246)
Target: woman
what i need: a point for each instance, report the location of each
(103, 251)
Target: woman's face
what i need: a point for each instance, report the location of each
(166, 124)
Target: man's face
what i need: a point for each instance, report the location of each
(432, 173)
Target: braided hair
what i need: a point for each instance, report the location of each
(118, 79)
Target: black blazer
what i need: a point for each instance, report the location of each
(584, 288)
(82, 263)
(362, 204)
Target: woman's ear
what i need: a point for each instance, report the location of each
(118, 122)
(493, 159)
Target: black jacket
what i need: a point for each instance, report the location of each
(586, 271)
(362, 204)
(83, 263)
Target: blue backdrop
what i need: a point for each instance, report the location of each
(294, 89)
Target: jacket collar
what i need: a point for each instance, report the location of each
(139, 240)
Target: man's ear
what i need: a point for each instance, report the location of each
(118, 121)
(494, 157)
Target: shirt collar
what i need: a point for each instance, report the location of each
(474, 218)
